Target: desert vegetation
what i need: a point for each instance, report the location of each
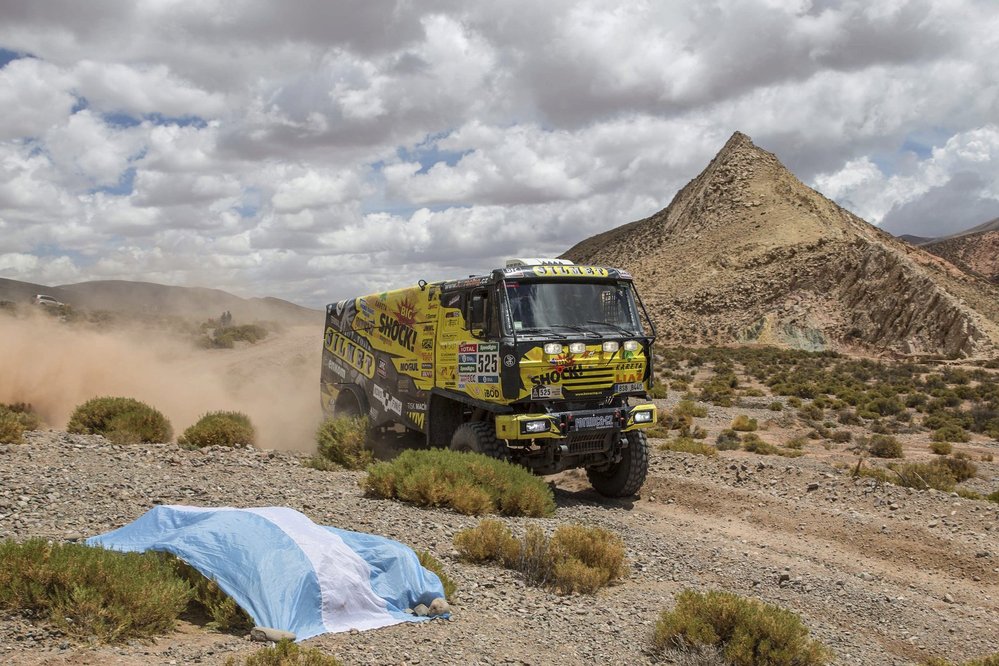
(342, 442)
(121, 420)
(739, 630)
(469, 483)
(219, 429)
(15, 419)
(285, 653)
(574, 559)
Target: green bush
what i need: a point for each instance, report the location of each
(658, 391)
(121, 420)
(91, 591)
(990, 660)
(225, 614)
(883, 446)
(743, 423)
(285, 653)
(748, 632)
(343, 440)
(11, 429)
(219, 429)
(959, 465)
(688, 445)
(23, 413)
(576, 559)
(751, 442)
(951, 433)
(941, 448)
(776, 406)
(226, 338)
(431, 563)
(691, 409)
(470, 483)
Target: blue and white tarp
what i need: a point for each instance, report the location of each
(285, 571)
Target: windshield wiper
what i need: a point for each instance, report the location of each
(614, 326)
(576, 328)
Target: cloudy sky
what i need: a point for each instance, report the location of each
(317, 149)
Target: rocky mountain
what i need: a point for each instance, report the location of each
(747, 253)
(141, 298)
(975, 250)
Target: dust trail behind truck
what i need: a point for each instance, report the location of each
(543, 363)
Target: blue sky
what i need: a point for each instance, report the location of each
(318, 150)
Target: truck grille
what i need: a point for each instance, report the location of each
(589, 442)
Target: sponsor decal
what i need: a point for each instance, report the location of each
(429, 328)
(629, 366)
(487, 363)
(563, 271)
(416, 406)
(428, 343)
(404, 385)
(397, 331)
(488, 346)
(555, 376)
(466, 367)
(546, 392)
(452, 315)
(426, 373)
(466, 358)
(350, 353)
(382, 368)
(452, 301)
(337, 369)
(426, 366)
(365, 308)
(626, 378)
(509, 360)
(466, 378)
(418, 418)
(388, 402)
(468, 347)
(488, 379)
(409, 366)
(405, 312)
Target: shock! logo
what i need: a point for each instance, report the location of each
(397, 331)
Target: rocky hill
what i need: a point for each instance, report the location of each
(747, 253)
(142, 298)
(975, 250)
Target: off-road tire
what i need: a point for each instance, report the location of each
(625, 478)
(478, 437)
(346, 405)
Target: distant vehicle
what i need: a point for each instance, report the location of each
(43, 299)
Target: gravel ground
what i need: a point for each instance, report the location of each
(882, 575)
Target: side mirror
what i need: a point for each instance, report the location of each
(477, 316)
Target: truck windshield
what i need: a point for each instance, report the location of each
(596, 307)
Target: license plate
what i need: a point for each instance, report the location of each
(543, 392)
(595, 422)
(634, 387)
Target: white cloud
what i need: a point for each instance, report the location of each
(398, 140)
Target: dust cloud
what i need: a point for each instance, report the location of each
(56, 366)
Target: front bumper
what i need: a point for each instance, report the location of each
(556, 425)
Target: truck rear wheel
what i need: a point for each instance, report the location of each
(625, 478)
(478, 437)
(347, 405)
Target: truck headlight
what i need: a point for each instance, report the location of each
(644, 416)
(610, 346)
(577, 347)
(535, 426)
(632, 346)
(553, 348)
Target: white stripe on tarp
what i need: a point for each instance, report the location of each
(348, 602)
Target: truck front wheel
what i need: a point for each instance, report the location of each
(625, 478)
(478, 437)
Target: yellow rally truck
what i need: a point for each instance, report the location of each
(543, 363)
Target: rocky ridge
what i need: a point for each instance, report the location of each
(747, 253)
(976, 252)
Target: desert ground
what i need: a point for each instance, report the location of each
(880, 574)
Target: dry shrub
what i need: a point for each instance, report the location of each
(91, 591)
(747, 631)
(470, 483)
(285, 653)
(959, 465)
(743, 423)
(11, 429)
(490, 541)
(231, 429)
(343, 440)
(751, 442)
(691, 409)
(121, 420)
(225, 614)
(990, 660)
(688, 445)
(727, 440)
(576, 559)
